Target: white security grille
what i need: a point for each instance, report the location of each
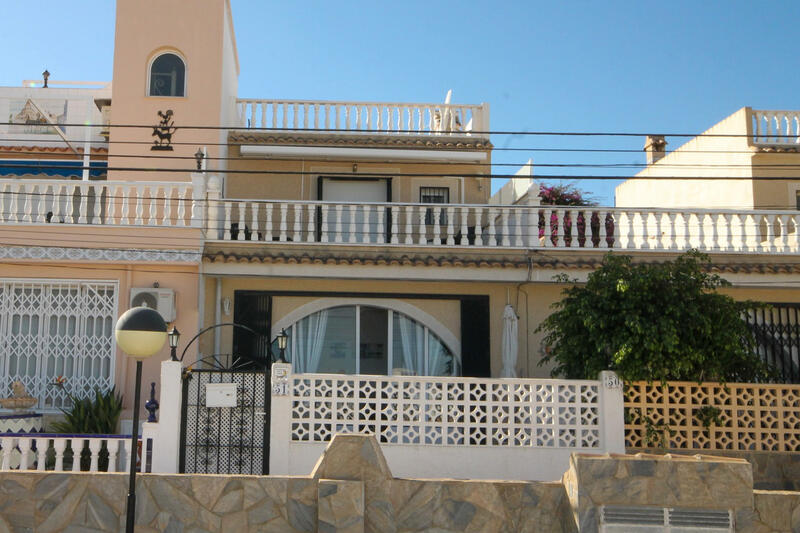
(51, 329)
(447, 411)
(630, 519)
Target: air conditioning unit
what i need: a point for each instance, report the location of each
(162, 300)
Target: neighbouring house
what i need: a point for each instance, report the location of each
(363, 230)
(744, 169)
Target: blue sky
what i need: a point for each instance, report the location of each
(676, 66)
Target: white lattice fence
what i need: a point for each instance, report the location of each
(737, 416)
(452, 412)
(467, 424)
(53, 329)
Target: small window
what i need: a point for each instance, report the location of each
(797, 199)
(434, 195)
(167, 76)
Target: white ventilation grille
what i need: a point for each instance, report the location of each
(625, 519)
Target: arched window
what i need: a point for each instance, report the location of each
(167, 76)
(361, 339)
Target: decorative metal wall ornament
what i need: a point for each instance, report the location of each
(163, 131)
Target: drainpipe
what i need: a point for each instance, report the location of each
(218, 317)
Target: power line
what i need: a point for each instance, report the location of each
(407, 174)
(493, 149)
(426, 132)
(33, 164)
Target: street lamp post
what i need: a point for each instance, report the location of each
(140, 332)
(283, 338)
(173, 337)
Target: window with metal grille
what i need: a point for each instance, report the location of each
(167, 76)
(57, 329)
(434, 195)
(777, 333)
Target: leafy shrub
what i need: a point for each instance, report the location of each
(654, 322)
(98, 415)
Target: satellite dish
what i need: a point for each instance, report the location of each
(145, 299)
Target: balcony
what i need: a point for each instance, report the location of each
(110, 203)
(775, 128)
(443, 226)
(189, 206)
(379, 118)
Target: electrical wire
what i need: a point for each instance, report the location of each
(37, 162)
(407, 174)
(385, 131)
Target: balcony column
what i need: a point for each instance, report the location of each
(198, 199)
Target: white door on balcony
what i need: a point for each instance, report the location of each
(354, 221)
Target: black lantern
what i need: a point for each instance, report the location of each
(174, 335)
(283, 339)
(198, 156)
(140, 332)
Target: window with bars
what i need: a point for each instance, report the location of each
(57, 329)
(777, 333)
(434, 195)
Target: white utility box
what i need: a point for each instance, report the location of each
(220, 394)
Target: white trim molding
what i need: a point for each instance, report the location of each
(56, 253)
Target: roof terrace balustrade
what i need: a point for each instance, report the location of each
(381, 118)
(775, 128)
(509, 227)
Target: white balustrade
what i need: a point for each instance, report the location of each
(378, 117)
(41, 451)
(521, 227)
(776, 127)
(163, 204)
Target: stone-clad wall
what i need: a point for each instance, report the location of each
(771, 470)
(776, 512)
(352, 490)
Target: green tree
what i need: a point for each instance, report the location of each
(655, 322)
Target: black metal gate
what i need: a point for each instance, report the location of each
(777, 333)
(225, 440)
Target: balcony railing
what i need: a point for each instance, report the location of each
(116, 203)
(489, 226)
(376, 117)
(184, 204)
(776, 128)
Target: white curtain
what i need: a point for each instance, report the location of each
(438, 357)
(412, 338)
(310, 336)
(510, 343)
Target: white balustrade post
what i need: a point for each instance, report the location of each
(112, 445)
(531, 230)
(94, 449)
(612, 419)
(166, 444)
(77, 447)
(8, 446)
(280, 430)
(42, 443)
(214, 229)
(199, 205)
(60, 446)
(24, 444)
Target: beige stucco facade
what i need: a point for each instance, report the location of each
(721, 168)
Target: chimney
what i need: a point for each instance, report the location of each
(655, 146)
